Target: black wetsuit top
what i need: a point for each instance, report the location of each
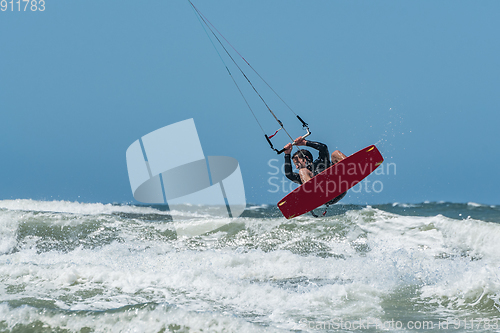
(319, 165)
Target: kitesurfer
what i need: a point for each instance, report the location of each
(308, 168)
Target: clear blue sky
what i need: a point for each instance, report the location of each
(82, 80)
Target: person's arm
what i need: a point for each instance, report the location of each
(323, 160)
(324, 154)
(294, 177)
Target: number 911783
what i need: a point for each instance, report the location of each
(22, 5)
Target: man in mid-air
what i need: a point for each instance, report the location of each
(308, 168)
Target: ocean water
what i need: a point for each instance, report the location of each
(80, 267)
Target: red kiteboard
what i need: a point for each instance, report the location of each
(331, 183)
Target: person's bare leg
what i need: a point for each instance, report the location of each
(305, 174)
(337, 156)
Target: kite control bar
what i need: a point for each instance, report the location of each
(293, 143)
(268, 138)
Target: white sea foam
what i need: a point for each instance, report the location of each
(255, 207)
(256, 270)
(73, 207)
(456, 260)
(404, 205)
(139, 319)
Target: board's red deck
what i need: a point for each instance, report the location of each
(331, 183)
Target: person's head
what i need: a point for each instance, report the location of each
(302, 158)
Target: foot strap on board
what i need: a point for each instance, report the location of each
(324, 213)
(331, 202)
